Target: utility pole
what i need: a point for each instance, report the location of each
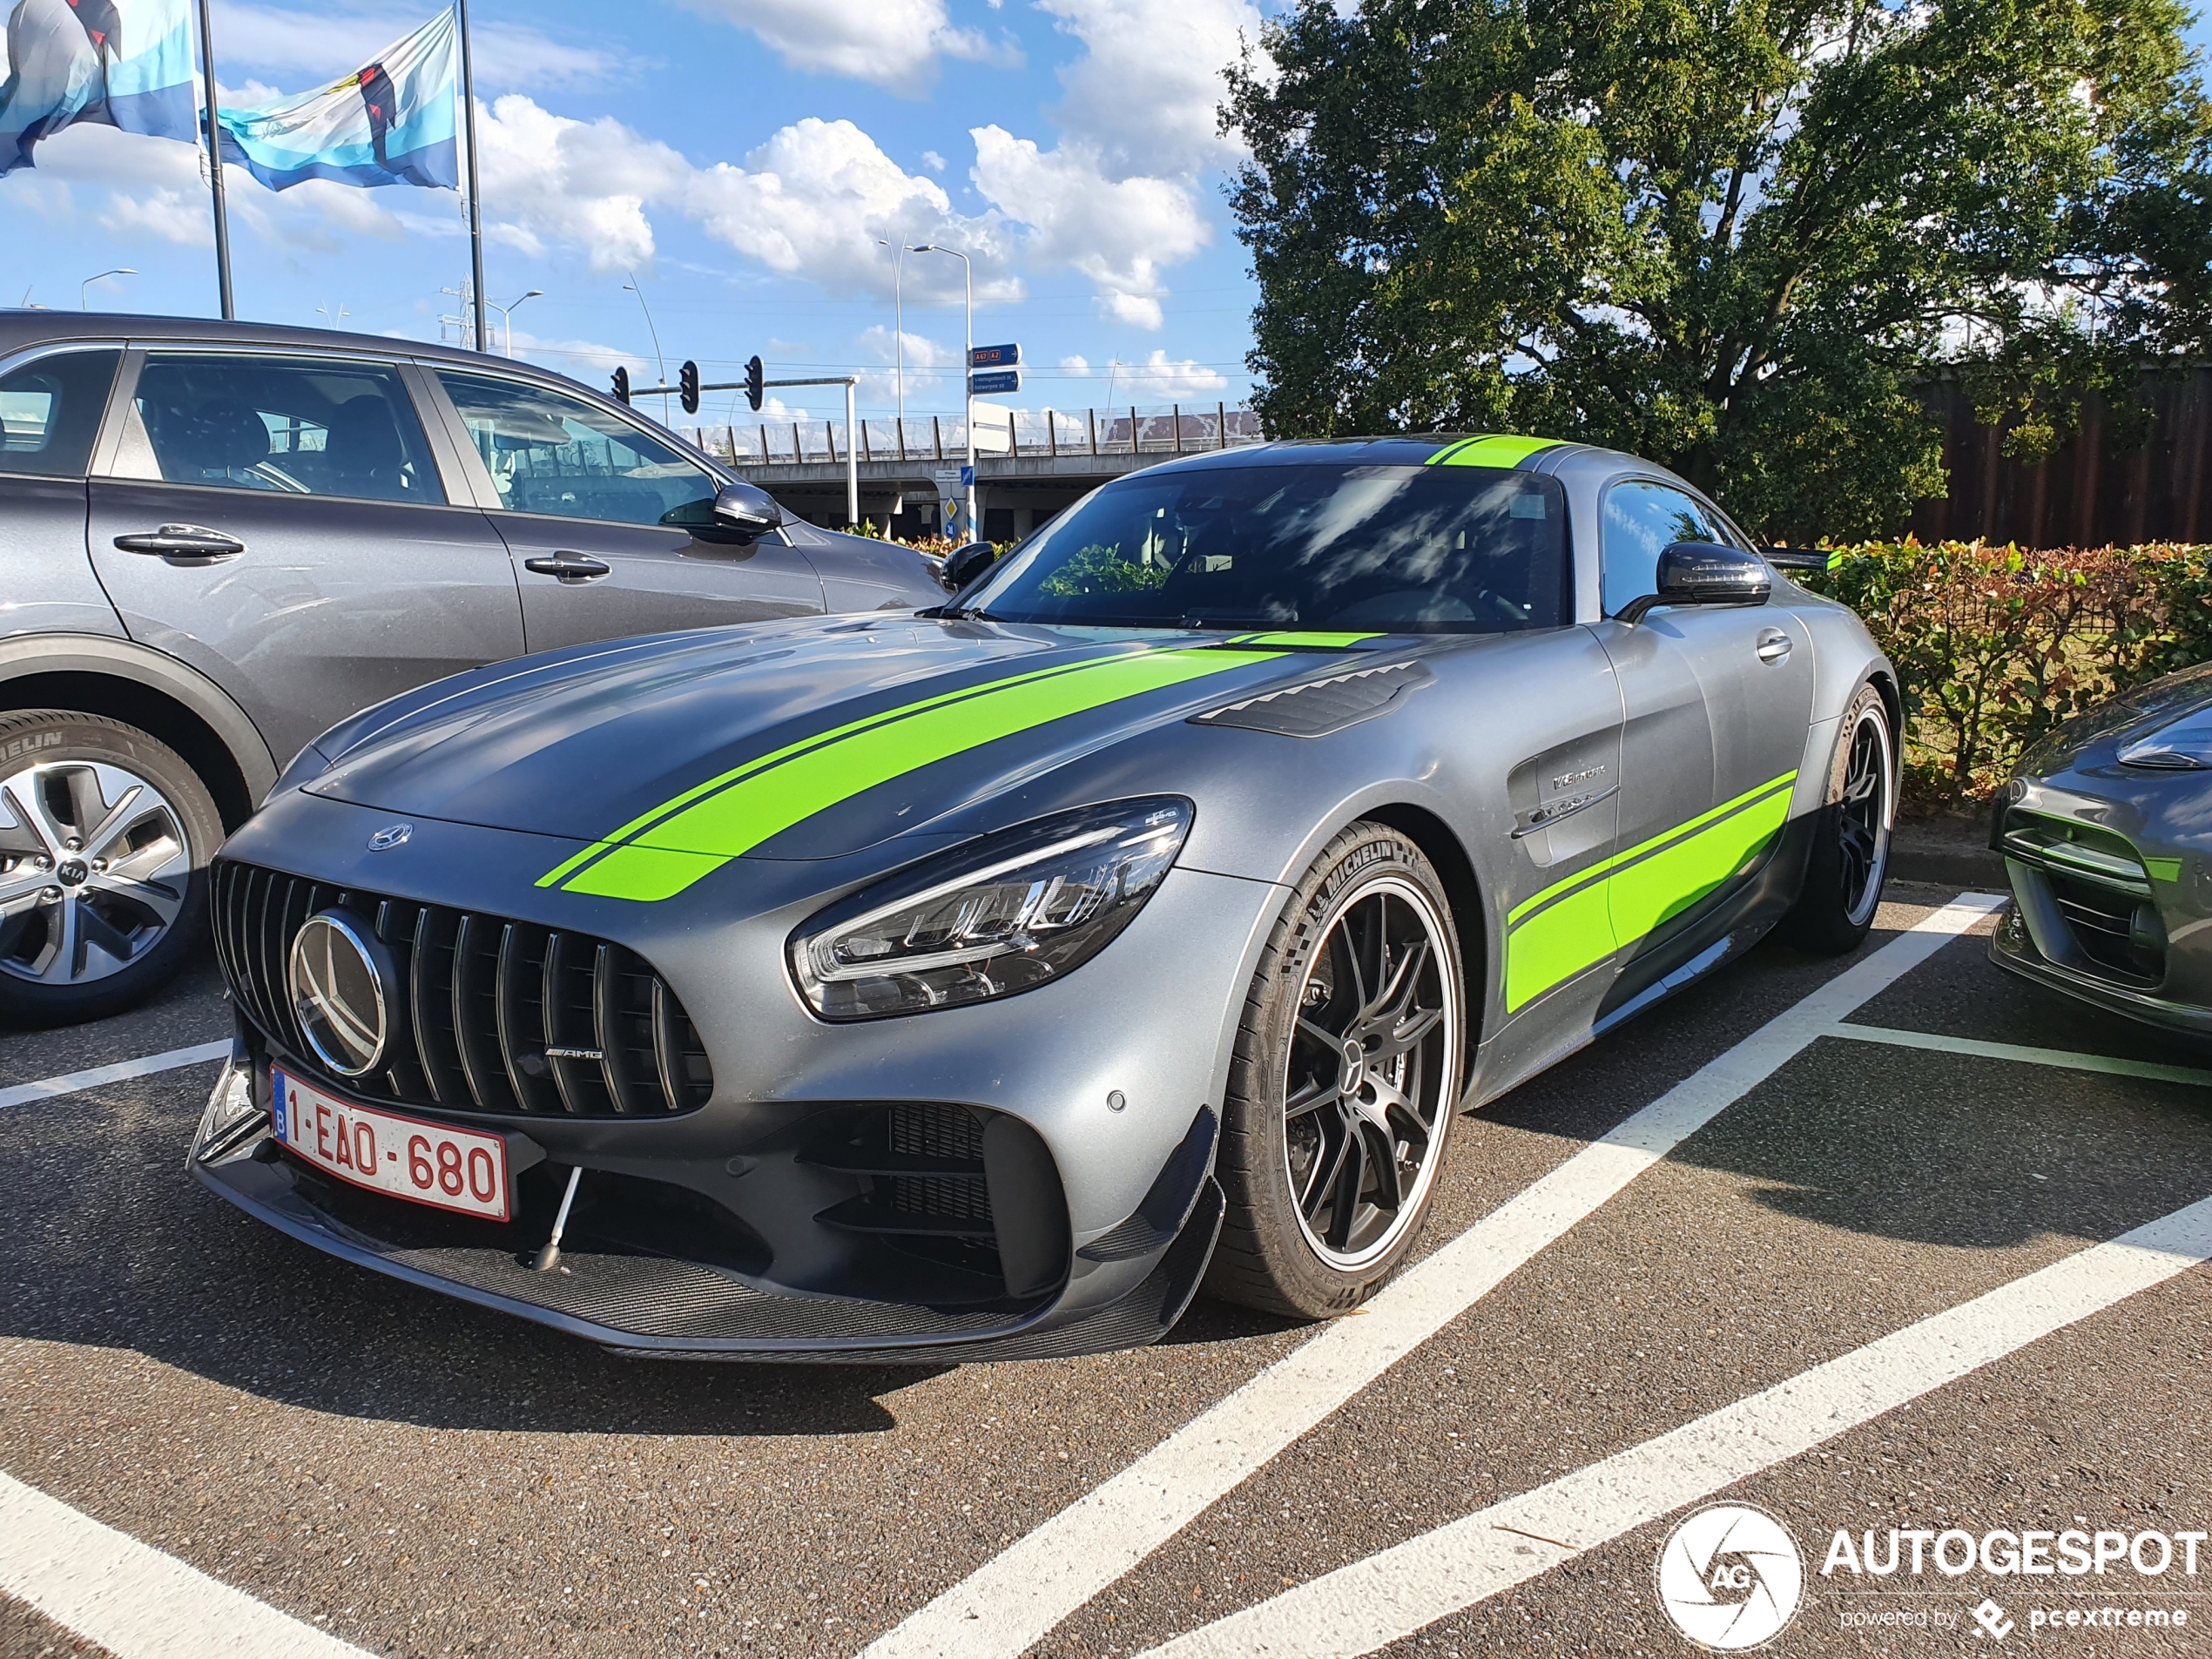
(898, 329)
(215, 165)
(476, 206)
(974, 531)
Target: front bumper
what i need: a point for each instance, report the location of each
(2012, 948)
(646, 1274)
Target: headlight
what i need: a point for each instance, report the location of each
(1001, 915)
(2186, 746)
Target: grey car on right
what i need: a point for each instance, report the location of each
(2106, 834)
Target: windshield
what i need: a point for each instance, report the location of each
(1388, 548)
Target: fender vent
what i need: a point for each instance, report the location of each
(1319, 707)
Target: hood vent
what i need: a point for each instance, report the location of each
(1319, 707)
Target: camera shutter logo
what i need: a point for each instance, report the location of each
(1731, 1577)
(337, 994)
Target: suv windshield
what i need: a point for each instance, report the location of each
(1392, 548)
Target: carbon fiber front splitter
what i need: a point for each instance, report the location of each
(648, 1304)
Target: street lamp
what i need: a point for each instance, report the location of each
(121, 270)
(899, 333)
(507, 315)
(658, 360)
(967, 363)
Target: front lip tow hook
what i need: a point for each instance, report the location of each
(549, 1257)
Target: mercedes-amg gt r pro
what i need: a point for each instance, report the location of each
(980, 983)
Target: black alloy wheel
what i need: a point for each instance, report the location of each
(1849, 858)
(1346, 1078)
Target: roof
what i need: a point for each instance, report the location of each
(19, 328)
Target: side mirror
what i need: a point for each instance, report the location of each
(965, 563)
(1703, 573)
(746, 508)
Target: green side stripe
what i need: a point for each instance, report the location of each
(1632, 900)
(1491, 449)
(1642, 847)
(730, 816)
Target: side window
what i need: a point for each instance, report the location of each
(292, 426)
(550, 453)
(49, 412)
(1641, 519)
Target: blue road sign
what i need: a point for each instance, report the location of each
(994, 356)
(1003, 380)
(968, 477)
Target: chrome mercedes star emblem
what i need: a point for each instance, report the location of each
(390, 836)
(338, 993)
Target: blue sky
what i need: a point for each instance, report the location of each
(741, 159)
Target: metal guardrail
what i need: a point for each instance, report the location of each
(942, 441)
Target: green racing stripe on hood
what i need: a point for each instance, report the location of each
(1491, 449)
(661, 853)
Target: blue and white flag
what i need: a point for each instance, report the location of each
(390, 122)
(122, 64)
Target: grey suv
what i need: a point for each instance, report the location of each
(217, 539)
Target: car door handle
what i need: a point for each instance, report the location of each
(178, 542)
(1773, 646)
(568, 567)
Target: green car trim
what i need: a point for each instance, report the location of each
(1305, 641)
(1491, 449)
(1575, 924)
(659, 854)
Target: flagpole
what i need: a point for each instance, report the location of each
(475, 208)
(215, 164)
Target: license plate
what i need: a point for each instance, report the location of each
(389, 1152)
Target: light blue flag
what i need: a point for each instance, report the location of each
(122, 64)
(390, 123)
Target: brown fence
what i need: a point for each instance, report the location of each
(2088, 492)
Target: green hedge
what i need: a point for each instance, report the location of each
(1996, 645)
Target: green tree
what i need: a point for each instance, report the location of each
(1732, 235)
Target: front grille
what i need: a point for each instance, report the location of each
(484, 1005)
(2101, 890)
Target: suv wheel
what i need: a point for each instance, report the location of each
(105, 839)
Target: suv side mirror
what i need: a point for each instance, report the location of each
(747, 508)
(1703, 573)
(965, 563)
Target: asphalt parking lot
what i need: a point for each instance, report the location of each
(1938, 1272)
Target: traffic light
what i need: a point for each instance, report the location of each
(754, 382)
(622, 384)
(687, 387)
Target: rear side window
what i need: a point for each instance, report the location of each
(49, 412)
(284, 425)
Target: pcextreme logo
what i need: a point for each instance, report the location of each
(1731, 1577)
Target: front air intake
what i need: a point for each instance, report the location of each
(488, 1015)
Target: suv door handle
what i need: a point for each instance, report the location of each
(179, 542)
(571, 568)
(1773, 646)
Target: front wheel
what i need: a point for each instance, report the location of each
(1346, 1078)
(1851, 850)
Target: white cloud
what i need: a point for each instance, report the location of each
(893, 44)
(548, 179)
(317, 46)
(1158, 379)
(1146, 91)
(583, 360)
(1077, 365)
(168, 215)
(1078, 216)
(815, 199)
(932, 161)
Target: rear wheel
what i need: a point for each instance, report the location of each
(1851, 850)
(105, 834)
(1345, 1081)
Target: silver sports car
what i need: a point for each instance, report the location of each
(977, 983)
(2104, 833)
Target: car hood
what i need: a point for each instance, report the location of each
(2111, 727)
(667, 757)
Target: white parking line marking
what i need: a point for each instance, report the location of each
(1370, 1603)
(132, 1598)
(47, 1088)
(1015, 1598)
(2030, 1056)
